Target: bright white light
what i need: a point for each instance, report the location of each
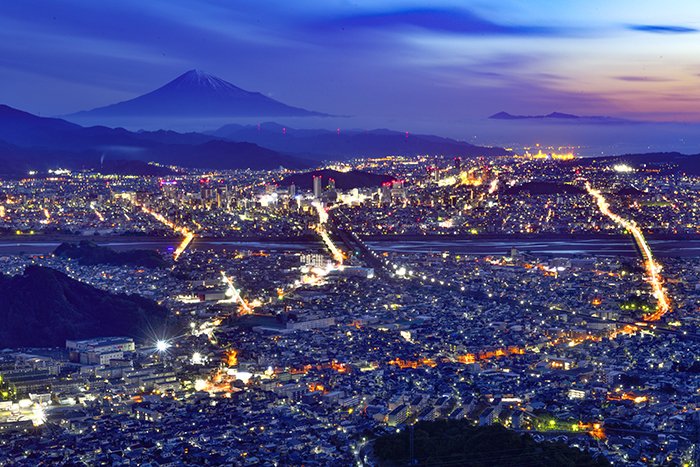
(197, 359)
(240, 375)
(622, 168)
(200, 385)
(162, 346)
(38, 415)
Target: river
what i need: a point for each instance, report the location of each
(480, 246)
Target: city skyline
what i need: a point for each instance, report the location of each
(350, 233)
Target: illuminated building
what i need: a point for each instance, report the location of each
(318, 188)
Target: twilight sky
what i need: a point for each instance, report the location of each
(435, 60)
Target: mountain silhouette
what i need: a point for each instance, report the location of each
(324, 144)
(30, 142)
(563, 117)
(196, 94)
(44, 307)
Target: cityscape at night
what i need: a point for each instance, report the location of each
(456, 233)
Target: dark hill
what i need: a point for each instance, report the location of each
(44, 307)
(196, 94)
(457, 442)
(325, 144)
(343, 180)
(666, 162)
(224, 155)
(31, 142)
(89, 253)
(544, 188)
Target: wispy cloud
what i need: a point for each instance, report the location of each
(662, 29)
(447, 20)
(650, 79)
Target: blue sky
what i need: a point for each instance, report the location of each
(437, 60)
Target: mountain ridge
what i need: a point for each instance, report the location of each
(30, 142)
(350, 143)
(561, 117)
(196, 94)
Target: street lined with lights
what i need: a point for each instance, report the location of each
(652, 268)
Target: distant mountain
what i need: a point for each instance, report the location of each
(343, 180)
(31, 142)
(561, 117)
(90, 253)
(43, 307)
(325, 144)
(664, 162)
(195, 94)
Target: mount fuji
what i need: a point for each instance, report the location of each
(195, 94)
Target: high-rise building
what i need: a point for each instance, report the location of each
(386, 193)
(292, 190)
(318, 188)
(331, 184)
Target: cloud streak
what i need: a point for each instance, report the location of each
(448, 20)
(643, 79)
(661, 29)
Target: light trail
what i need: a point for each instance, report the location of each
(184, 231)
(335, 252)
(321, 230)
(493, 187)
(236, 294)
(189, 236)
(322, 214)
(652, 268)
(97, 213)
(47, 217)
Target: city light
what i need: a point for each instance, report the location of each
(216, 275)
(652, 268)
(38, 415)
(188, 235)
(162, 346)
(623, 168)
(197, 359)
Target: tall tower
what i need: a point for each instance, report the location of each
(386, 193)
(318, 188)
